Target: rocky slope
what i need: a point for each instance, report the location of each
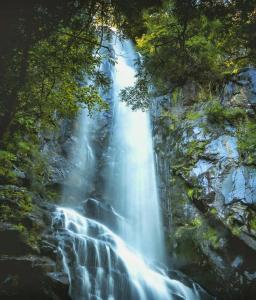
(207, 166)
(29, 264)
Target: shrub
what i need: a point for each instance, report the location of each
(216, 113)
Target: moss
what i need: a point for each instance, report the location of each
(233, 114)
(21, 197)
(252, 224)
(212, 236)
(18, 203)
(33, 238)
(247, 141)
(196, 148)
(233, 225)
(29, 236)
(213, 211)
(187, 160)
(176, 95)
(216, 113)
(187, 248)
(196, 222)
(186, 241)
(7, 174)
(236, 230)
(26, 205)
(190, 226)
(53, 196)
(190, 192)
(6, 213)
(20, 227)
(193, 115)
(206, 128)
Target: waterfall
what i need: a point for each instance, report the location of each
(116, 262)
(132, 178)
(100, 265)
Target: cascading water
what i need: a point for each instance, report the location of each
(82, 159)
(132, 178)
(101, 264)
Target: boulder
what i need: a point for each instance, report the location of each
(98, 210)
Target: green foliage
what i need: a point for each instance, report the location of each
(195, 41)
(6, 213)
(30, 236)
(17, 205)
(190, 193)
(193, 115)
(252, 223)
(236, 230)
(176, 95)
(168, 121)
(196, 222)
(234, 225)
(137, 96)
(196, 148)
(56, 68)
(20, 227)
(214, 112)
(212, 236)
(49, 70)
(44, 69)
(213, 211)
(193, 193)
(247, 141)
(7, 174)
(20, 197)
(217, 113)
(187, 51)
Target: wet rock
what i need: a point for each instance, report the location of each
(223, 148)
(237, 262)
(11, 240)
(104, 212)
(209, 193)
(60, 285)
(202, 166)
(242, 90)
(240, 185)
(23, 277)
(250, 276)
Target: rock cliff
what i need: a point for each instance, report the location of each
(206, 161)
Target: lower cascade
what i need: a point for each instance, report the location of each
(113, 252)
(100, 265)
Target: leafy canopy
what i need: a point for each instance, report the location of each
(194, 41)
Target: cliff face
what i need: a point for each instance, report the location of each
(207, 166)
(29, 264)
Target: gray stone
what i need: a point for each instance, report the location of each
(201, 167)
(223, 148)
(195, 134)
(250, 276)
(240, 185)
(237, 262)
(242, 90)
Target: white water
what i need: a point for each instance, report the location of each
(82, 159)
(100, 264)
(132, 177)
